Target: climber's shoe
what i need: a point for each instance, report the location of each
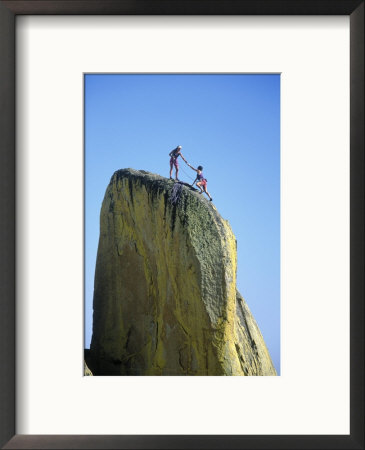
(211, 200)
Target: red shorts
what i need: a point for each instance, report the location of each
(203, 183)
(173, 162)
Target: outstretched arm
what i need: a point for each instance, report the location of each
(191, 167)
(183, 158)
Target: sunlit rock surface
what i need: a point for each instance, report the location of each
(165, 298)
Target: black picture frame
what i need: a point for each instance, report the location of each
(8, 12)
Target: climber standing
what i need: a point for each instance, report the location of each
(174, 154)
(201, 181)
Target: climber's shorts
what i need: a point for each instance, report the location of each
(173, 162)
(203, 183)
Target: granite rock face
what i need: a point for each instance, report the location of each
(87, 371)
(165, 297)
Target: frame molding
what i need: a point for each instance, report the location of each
(9, 9)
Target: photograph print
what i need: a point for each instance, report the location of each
(182, 224)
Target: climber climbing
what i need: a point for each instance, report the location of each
(174, 154)
(201, 181)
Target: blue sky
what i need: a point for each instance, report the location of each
(229, 124)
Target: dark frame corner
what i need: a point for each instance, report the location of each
(8, 12)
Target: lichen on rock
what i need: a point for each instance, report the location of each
(165, 297)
